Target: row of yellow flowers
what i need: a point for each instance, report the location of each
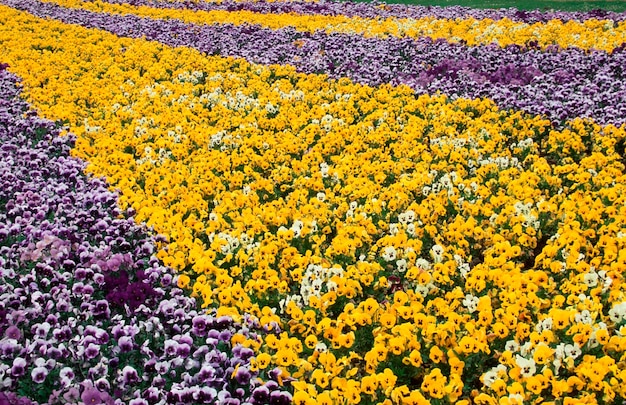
(410, 249)
(598, 34)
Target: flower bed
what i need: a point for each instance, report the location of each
(592, 33)
(87, 314)
(559, 84)
(373, 10)
(389, 246)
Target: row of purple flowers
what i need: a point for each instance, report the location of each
(87, 313)
(560, 84)
(379, 10)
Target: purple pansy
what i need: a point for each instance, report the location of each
(39, 374)
(13, 332)
(91, 396)
(19, 367)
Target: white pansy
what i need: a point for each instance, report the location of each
(470, 302)
(401, 265)
(527, 367)
(512, 346)
(437, 253)
(618, 312)
(423, 264)
(389, 253)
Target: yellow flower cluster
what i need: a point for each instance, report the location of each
(405, 250)
(598, 34)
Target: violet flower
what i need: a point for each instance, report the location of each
(39, 374)
(13, 332)
(91, 396)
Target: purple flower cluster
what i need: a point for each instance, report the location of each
(378, 10)
(87, 313)
(560, 84)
